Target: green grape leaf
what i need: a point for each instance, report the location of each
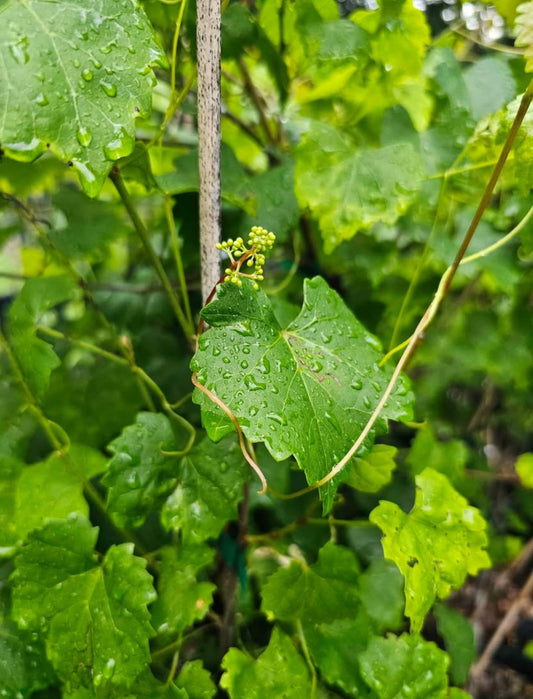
(139, 475)
(10, 470)
(449, 457)
(524, 469)
(196, 681)
(436, 545)
(279, 671)
(335, 647)
(209, 489)
(459, 641)
(85, 228)
(323, 592)
(381, 593)
(524, 24)
(23, 664)
(36, 358)
(490, 85)
(234, 179)
(145, 686)
(405, 667)
(94, 401)
(51, 489)
(182, 599)
(347, 188)
(373, 471)
(277, 208)
(74, 78)
(306, 390)
(95, 617)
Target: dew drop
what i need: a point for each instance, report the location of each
(84, 136)
(120, 146)
(244, 364)
(87, 74)
(253, 410)
(356, 384)
(41, 100)
(216, 351)
(367, 402)
(109, 88)
(253, 385)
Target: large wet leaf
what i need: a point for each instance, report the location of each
(95, 617)
(73, 78)
(436, 545)
(305, 390)
(347, 188)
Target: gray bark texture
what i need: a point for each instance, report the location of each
(208, 20)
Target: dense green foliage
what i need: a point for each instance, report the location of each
(137, 558)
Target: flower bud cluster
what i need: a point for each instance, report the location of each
(260, 242)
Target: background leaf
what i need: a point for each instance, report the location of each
(435, 546)
(279, 671)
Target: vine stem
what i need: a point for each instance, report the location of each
(208, 38)
(142, 232)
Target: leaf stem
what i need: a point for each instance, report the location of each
(307, 656)
(177, 257)
(33, 405)
(142, 232)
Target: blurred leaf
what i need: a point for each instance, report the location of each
(35, 356)
(95, 616)
(382, 595)
(322, 592)
(371, 472)
(139, 475)
(181, 599)
(88, 227)
(310, 388)
(196, 680)
(524, 469)
(405, 667)
(277, 208)
(278, 672)
(524, 23)
(209, 489)
(459, 641)
(57, 103)
(491, 85)
(235, 182)
(435, 546)
(448, 458)
(51, 489)
(348, 189)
